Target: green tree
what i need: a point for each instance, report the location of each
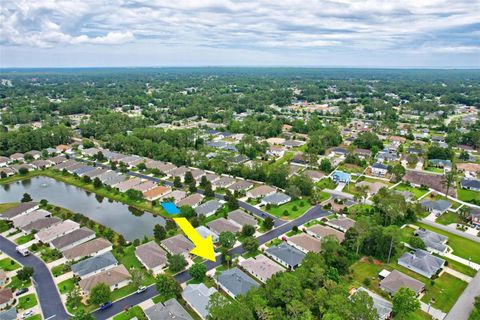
(227, 239)
(188, 179)
(25, 273)
(405, 303)
(248, 230)
(250, 244)
(177, 182)
(137, 278)
(176, 263)
(325, 165)
(167, 286)
(100, 294)
(268, 223)
(81, 314)
(159, 232)
(448, 181)
(198, 271)
(416, 242)
(97, 183)
(220, 308)
(26, 198)
(398, 171)
(74, 298)
(134, 195)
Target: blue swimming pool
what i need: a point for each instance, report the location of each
(170, 207)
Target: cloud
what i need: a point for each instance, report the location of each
(253, 24)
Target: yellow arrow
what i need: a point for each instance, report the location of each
(203, 247)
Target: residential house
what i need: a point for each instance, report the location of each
(339, 151)
(384, 307)
(177, 244)
(169, 310)
(94, 265)
(192, 200)
(316, 176)
(91, 248)
(73, 239)
(318, 231)
(116, 277)
(40, 224)
(17, 157)
(362, 153)
(221, 225)
(261, 191)
(176, 196)
(18, 210)
(286, 255)
(470, 184)
(144, 186)
(242, 218)
(56, 231)
(6, 298)
(379, 169)
(396, 280)
(241, 185)
(342, 224)
(261, 267)
(434, 242)
(152, 256)
(438, 207)
(205, 232)
(208, 208)
(305, 243)
(24, 219)
(7, 171)
(156, 193)
(223, 182)
(422, 262)
(235, 282)
(4, 161)
(293, 143)
(434, 181)
(276, 151)
(340, 177)
(3, 278)
(446, 165)
(34, 154)
(277, 199)
(197, 296)
(128, 184)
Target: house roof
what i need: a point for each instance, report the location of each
(151, 254)
(72, 237)
(242, 218)
(109, 277)
(220, 225)
(470, 183)
(340, 175)
(312, 174)
(323, 231)
(169, 310)
(19, 209)
(208, 207)
(344, 223)
(41, 224)
(177, 244)
(198, 296)
(306, 242)
(378, 165)
(262, 266)
(439, 205)
(93, 264)
(287, 253)
(157, 191)
(23, 220)
(87, 248)
(144, 186)
(384, 307)
(191, 200)
(10, 314)
(261, 191)
(236, 281)
(433, 181)
(47, 235)
(241, 185)
(223, 182)
(432, 239)
(276, 198)
(205, 232)
(5, 295)
(396, 280)
(422, 260)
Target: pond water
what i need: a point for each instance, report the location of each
(129, 222)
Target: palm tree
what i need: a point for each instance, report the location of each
(448, 181)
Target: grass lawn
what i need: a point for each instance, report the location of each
(351, 168)
(449, 218)
(27, 302)
(24, 239)
(134, 312)
(406, 233)
(416, 192)
(4, 226)
(129, 260)
(287, 211)
(59, 270)
(326, 183)
(446, 291)
(274, 242)
(5, 206)
(122, 292)
(360, 209)
(460, 267)
(35, 317)
(251, 254)
(16, 283)
(324, 196)
(8, 264)
(462, 247)
(468, 195)
(66, 286)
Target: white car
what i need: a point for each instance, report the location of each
(141, 289)
(27, 314)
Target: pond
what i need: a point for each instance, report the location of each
(129, 222)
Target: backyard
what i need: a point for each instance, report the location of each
(290, 210)
(416, 192)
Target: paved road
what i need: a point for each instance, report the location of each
(313, 213)
(47, 293)
(451, 230)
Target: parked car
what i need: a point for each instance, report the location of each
(106, 305)
(141, 289)
(27, 314)
(21, 291)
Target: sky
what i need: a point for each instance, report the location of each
(335, 33)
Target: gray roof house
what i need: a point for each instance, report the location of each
(169, 310)
(197, 297)
(220, 225)
(438, 206)
(10, 314)
(94, 265)
(396, 280)
(384, 307)
(152, 256)
(242, 218)
(208, 208)
(286, 255)
(23, 220)
(235, 282)
(20, 209)
(73, 239)
(421, 262)
(177, 245)
(433, 241)
(470, 184)
(205, 232)
(277, 198)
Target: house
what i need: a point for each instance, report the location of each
(64, 148)
(293, 143)
(434, 181)
(339, 151)
(275, 141)
(223, 182)
(41, 224)
(179, 172)
(57, 160)
(91, 248)
(192, 200)
(83, 170)
(3, 278)
(128, 184)
(235, 282)
(314, 175)
(422, 262)
(384, 307)
(144, 186)
(116, 277)
(56, 231)
(205, 232)
(10, 314)
(396, 280)
(152, 256)
(41, 164)
(94, 265)
(342, 224)
(74, 168)
(114, 179)
(131, 161)
(6, 171)
(211, 177)
(6, 298)
(197, 296)
(237, 159)
(18, 210)
(300, 158)
(73, 239)
(241, 185)
(416, 151)
(156, 193)
(362, 153)
(169, 310)
(4, 161)
(433, 241)
(261, 267)
(177, 244)
(17, 157)
(437, 207)
(23, 166)
(24, 219)
(261, 191)
(221, 225)
(277, 199)
(66, 164)
(208, 208)
(276, 151)
(242, 218)
(470, 184)
(175, 195)
(446, 165)
(318, 231)
(379, 169)
(286, 255)
(474, 216)
(340, 177)
(305, 243)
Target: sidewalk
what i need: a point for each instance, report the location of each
(458, 275)
(435, 313)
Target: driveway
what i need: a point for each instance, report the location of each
(47, 292)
